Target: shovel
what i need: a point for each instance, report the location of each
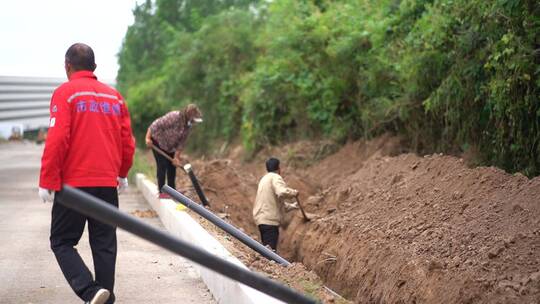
(158, 150)
(307, 219)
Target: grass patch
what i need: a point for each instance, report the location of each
(309, 287)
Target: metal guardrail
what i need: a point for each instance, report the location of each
(24, 101)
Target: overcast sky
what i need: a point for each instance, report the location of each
(35, 34)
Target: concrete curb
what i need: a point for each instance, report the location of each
(182, 225)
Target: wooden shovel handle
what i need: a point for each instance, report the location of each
(158, 150)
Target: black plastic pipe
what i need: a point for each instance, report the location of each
(196, 184)
(98, 209)
(216, 220)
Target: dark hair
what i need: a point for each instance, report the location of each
(81, 57)
(272, 164)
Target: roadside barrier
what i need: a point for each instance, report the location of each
(98, 209)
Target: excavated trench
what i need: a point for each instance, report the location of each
(395, 228)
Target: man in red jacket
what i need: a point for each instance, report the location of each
(89, 146)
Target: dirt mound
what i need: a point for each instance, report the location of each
(347, 160)
(430, 230)
(398, 229)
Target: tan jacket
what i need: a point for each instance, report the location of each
(269, 207)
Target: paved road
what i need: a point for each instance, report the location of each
(28, 270)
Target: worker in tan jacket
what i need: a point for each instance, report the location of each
(270, 207)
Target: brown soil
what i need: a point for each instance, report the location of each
(296, 276)
(144, 213)
(391, 227)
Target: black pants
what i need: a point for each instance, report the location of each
(67, 227)
(269, 235)
(164, 167)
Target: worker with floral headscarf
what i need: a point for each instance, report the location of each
(169, 133)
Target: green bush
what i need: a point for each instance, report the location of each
(142, 163)
(445, 74)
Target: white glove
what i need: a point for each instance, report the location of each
(46, 195)
(289, 206)
(122, 184)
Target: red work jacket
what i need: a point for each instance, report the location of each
(89, 142)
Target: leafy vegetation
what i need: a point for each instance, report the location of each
(141, 164)
(448, 75)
